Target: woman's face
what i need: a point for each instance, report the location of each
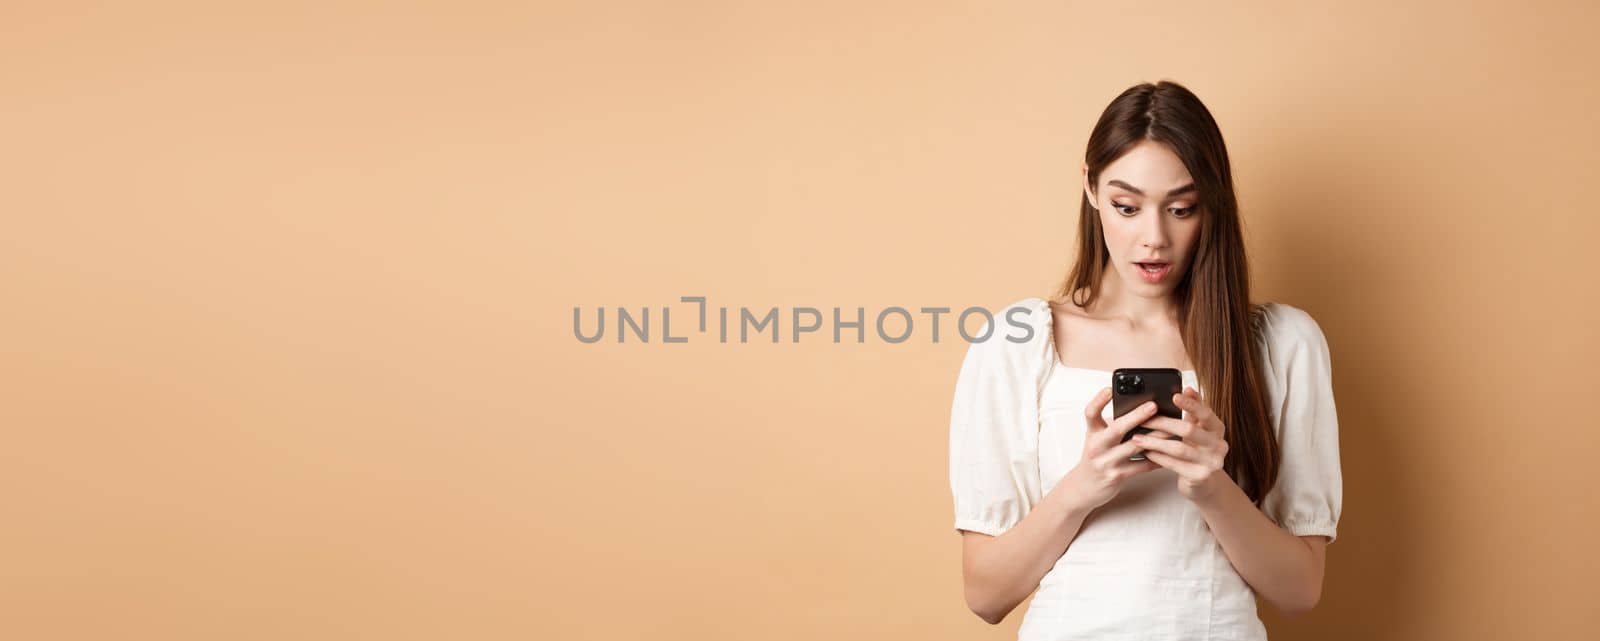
(1149, 210)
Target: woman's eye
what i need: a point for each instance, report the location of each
(1129, 210)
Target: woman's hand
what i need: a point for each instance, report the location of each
(1198, 457)
(1098, 476)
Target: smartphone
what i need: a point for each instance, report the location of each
(1133, 386)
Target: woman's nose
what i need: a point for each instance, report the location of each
(1154, 232)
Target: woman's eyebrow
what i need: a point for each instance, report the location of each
(1181, 190)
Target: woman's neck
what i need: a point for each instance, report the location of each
(1117, 303)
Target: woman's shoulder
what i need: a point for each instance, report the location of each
(1282, 324)
(1025, 323)
(1019, 332)
(1291, 340)
(1036, 309)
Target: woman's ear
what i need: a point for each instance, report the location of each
(1088, 191)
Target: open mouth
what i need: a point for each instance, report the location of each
(1154, 272)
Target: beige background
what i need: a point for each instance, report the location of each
(287, 345)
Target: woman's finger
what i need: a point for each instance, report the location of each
(1177, 449)
(1117, 458)
(1121, 451)
(1137, 467)
(1097, 405)
(1182, 467)
(1196, 410)
(1172, 426)
(1120, 426)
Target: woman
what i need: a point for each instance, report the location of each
(1238, 498)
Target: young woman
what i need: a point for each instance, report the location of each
(1238, 498)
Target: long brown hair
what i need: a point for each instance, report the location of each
(1219, 323)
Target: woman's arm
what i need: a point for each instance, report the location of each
(1284, 569)
(998, 572)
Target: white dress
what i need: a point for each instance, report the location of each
(1144, 565)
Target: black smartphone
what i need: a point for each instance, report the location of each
(1133, 386)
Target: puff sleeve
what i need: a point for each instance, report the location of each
(994, 420)
(1309, 492)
